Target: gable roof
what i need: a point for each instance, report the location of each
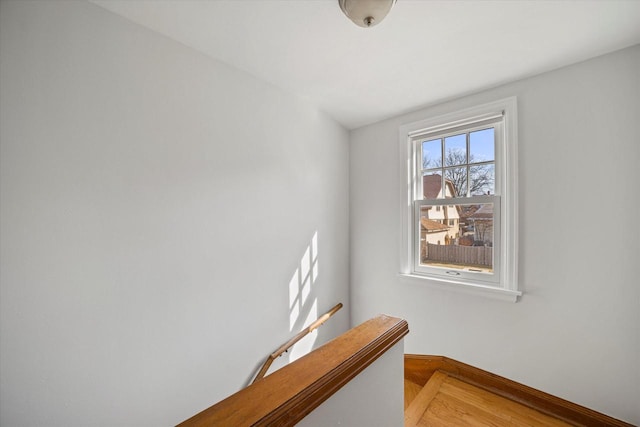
(432, 226)
(484, 212)
(431, 185)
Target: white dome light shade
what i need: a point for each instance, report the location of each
(366, 13)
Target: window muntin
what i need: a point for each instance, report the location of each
(474, 152)
(465, 160)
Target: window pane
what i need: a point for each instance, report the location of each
(455, 182)
(458, 237)
(455, 150)
(482, 179)
(482, 146)
(432, 154)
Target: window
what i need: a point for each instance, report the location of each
(460, 212)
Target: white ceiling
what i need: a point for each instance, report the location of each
(423, 52)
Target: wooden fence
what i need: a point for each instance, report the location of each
(466, 255)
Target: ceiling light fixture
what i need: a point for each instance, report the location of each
(366, 13)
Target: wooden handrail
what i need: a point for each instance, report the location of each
(286, 346)
(289, 394)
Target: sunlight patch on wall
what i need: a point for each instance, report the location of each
(305, 345)
(305, 274)
(303, 305)
(314, 252)
(294, 307)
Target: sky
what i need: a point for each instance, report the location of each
(481, 146)
(481, 149)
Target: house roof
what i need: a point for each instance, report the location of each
(484, 212)
(431, 185)
(432, 226)
(467, 210)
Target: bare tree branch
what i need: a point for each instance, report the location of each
(481, 177)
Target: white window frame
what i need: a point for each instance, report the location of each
(503, 284)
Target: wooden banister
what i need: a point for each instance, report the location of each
(286, 346)
(286, 396)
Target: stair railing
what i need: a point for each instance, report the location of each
(289, 394)
(286, 346)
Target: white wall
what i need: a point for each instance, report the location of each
(156, 209)
(576, 331)
(374, 398)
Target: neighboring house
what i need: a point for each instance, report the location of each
(465, 213)
(482, 221)
(432, 232)
(440, 225)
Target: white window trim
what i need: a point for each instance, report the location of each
(507, 173)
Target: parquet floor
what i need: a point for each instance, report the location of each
(447, 401)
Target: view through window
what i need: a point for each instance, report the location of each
(458, 166)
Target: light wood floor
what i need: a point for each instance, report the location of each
(447, 401)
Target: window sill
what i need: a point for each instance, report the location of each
(467, 288)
